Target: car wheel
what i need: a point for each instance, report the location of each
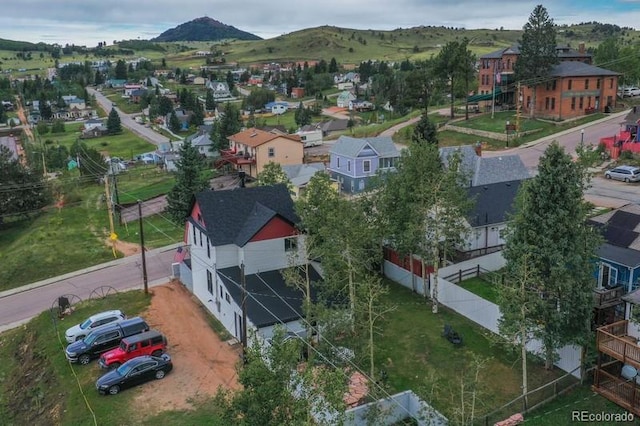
(157, 352)
(114, 365)
(84, 359)
(79, 338)
(626, 180)
(113, 390)
(607, 176)
(160, 374)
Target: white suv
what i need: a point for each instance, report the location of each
(79, 331)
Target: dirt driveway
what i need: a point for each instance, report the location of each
(201, 361)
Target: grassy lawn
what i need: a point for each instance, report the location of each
(37, 382)
(72, 237)
(416, 356)
(483, 288)
(582, 398)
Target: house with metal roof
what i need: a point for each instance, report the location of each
(243, 238)
(355, 161)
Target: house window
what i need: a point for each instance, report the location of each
(208, 248)
(598, 83)
(546, 103)
(194, 233)
(209, 282)
(581, 103)
(553, 104)
(366, 166)
(569, 84)
(611, 84)
(338, 162)
(272, 152)
(291, 244)
(227, 298)
(608, 276)
(586, 84)
(348, 165)
(200, 238)
(573, 102)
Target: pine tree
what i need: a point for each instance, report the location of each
(113, 123)
(174, 122)
(190, 179)
(538, 52)
(26, 191)
(550, 252)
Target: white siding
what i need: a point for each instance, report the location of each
(484, 237)
(226, 256)
(296, 327)
(268, 255)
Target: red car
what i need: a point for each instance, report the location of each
(151, 342)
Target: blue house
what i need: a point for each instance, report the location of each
(354, 161)
(618, 269)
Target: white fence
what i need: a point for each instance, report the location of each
(393, 410)
(474, 307)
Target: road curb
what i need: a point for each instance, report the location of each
(53, 280)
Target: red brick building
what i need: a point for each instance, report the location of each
(574, 87)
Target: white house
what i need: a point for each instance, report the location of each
(310, 135)
(245, 235)
(344, 98)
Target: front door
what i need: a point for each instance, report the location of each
(608, 276)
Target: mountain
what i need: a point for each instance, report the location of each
(204, 29)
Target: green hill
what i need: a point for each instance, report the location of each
(204, 29)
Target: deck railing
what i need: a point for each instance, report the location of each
(613, 340)
(616, 389)
(607, 297)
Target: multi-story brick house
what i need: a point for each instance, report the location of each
(574, 87)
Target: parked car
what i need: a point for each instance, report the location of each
(151, 342)
(134, 372)
(624, 173)
(630, 91)
(104, 339)
(80, 331)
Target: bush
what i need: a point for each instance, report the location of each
(626, 155)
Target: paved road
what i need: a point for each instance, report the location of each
(19, 305)
(128, 121)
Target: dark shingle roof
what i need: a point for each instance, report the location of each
(493, 203)
(235, 216)
(579, 69)
(270, 300)
(621, 255)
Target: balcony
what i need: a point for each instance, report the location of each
(614, 340)
(607, 297)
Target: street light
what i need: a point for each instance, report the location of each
(581, 136)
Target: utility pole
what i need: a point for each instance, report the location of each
(112, 236)
(144, 260)
(115, 193)
(243, 282)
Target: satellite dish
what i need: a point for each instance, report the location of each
(628, 372)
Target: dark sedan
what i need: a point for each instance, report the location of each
(134, 372)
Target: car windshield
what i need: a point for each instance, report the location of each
(124, 369)
(85, 324)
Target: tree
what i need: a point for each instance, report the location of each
(209, 102)
(453, 65)
(425, 131)
(42, 127)
(90, 161)
(302, 115)
(538, 52)
(165, 105)
(174, 123)
(197, 119)
(228, 125)
(423, 207)
(272, 174)
(24, 192)
(57, 126)
(121, 70)
(333, 66)
(113, 123)
(550, 252)
(191, 178)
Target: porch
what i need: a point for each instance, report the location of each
(614, 340)
(606, 297)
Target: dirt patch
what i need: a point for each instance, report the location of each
(124, 247)
(201, 361)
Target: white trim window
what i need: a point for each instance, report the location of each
(366, 166)
(607, 276)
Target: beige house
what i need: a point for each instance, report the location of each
(251, 149)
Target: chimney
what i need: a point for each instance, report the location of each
(478, 148)
(581, 48)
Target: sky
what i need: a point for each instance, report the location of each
(86, 22)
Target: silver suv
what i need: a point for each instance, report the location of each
(624, 173)
(79, 331)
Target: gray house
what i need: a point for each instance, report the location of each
(486, 170)
(355, 161)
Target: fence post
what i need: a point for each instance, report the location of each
(477, 270)
(459, 276)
